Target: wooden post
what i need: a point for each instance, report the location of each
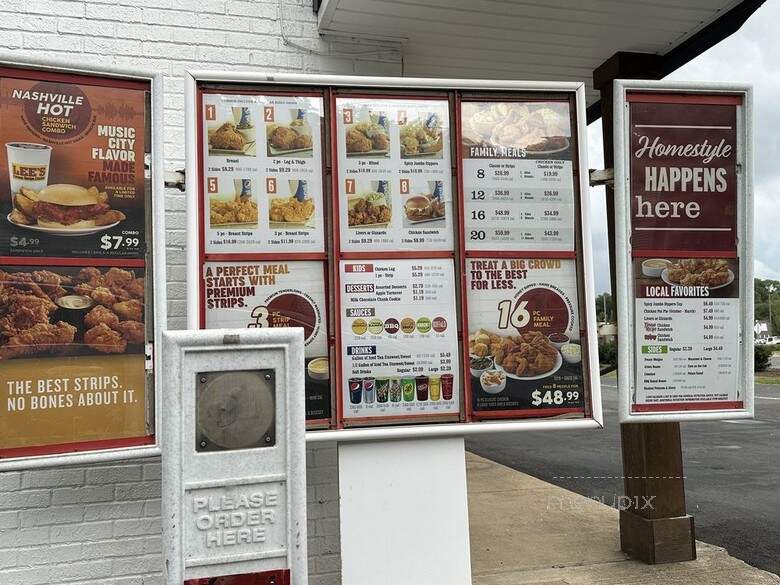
(654, 526)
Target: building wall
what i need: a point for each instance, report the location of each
(100, 524)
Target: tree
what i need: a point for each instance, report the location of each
(605, 308)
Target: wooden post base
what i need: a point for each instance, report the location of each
(657, 540)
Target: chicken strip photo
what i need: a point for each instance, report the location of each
(132, 331)
(40, 338)
(104, 339)
(101, 314)
(131, 310)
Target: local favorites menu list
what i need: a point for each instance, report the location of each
(524, 342)
(262, 198)
(395, 257)
(73, 319)
(685, 265)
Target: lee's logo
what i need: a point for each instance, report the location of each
(28, 172)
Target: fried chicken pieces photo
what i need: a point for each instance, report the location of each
(31, 304)
(291, 210)
(286, 138)
(226, 137)
(699, 272)
(26, 309)
(240, 210)
(367, 137)
(366, 213)
(524, 355)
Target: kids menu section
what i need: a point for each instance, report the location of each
(400, 342)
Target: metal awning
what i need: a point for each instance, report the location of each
(564, 40)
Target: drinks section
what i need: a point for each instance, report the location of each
(429, 247)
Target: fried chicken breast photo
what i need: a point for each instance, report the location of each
(226, 137)
(131, 310)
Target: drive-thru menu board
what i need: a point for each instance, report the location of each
(74, 313)
(407, 317)
(263, 223)
(518, 183)
(399, 342)
(525, 344)
(686, 206)
(525, 350)
(263, 173)
(394, 179)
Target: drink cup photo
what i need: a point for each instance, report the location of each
(242, 116)
(28, 165)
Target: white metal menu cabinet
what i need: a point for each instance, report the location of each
(234, 465)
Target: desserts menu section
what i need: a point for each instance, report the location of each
(524, 345)
(72, 183)
(686, 331)
(399, 338)
(394, 175)
(276, 294)
(262, 173)
(518, 182)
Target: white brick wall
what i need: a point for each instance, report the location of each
(100, 525)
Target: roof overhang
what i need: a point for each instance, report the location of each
(559, 40)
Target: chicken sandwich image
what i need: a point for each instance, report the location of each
(64, 207)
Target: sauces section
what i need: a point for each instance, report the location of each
(428, 242)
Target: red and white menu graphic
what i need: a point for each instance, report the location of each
(399, 338)
(684, 210)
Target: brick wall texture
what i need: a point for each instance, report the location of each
(100, 524)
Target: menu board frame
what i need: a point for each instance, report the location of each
(402, 88)
(148, 444)
(683, 93)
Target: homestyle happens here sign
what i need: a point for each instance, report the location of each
(683, 172)
(684, 252)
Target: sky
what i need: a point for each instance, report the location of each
(751, 55)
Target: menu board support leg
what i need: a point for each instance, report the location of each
(404, 512)
(655, 528)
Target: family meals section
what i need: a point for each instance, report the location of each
(428, 241)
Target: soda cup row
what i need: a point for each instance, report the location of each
(383, 390)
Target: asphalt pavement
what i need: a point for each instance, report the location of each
(732, 471)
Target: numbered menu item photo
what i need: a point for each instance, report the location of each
(399, 340)
(267, 199)
(72, 183)
(525, 353)
(276, 294)
(517, 175)
(394, 179)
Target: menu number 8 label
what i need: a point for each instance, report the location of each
(518, 317)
